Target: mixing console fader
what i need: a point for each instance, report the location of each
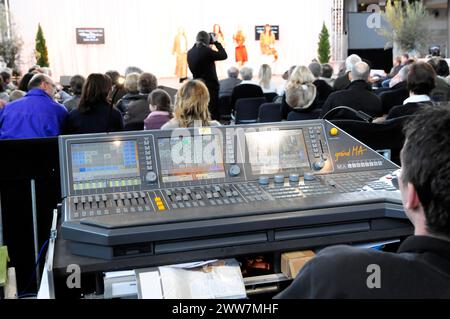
(151, 188)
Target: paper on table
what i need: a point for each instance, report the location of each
(150, 285)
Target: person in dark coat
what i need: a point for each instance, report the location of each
(247, 88)
(358, 96)
(201, 61)
(342, 82)
(95, 114)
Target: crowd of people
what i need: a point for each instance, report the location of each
(37, 107)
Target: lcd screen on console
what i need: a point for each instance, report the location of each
(272, 152)
(106, 164)
(191, 158)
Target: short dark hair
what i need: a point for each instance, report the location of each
(114, 76)
(95, 92)
(421, 78)
(440, 66)
(160, 99)
(76, 84)
(327, 71)
(23, 85)
(5, 75)
(426, 165)
(203, 38)
(147, 83)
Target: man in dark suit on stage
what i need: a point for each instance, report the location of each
(201, 60)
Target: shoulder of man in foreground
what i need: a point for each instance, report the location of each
(338, 272)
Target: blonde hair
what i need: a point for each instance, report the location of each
(265, 75)
(191, 104)
(300, 90)
(131, 82)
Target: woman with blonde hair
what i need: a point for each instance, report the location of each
(300, 93)
(191, 107)
(265, 79)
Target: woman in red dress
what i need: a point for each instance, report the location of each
(241, 50)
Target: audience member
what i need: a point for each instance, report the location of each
(76, 87)
(323, 89)
(421, 266)
(131, 86)
(6, 76)
(247, 88)
(327, 74)
(421, 81)
(191, 107)
(265, 79)
(201, 61)
(160, 108)
(133, 69)
(357, 96)
(94, 113)
(441, 92)
(16, 94)
(117, 90)
(397, 94)
(300, 96)
(23, 85)
(3, 94)
(342, 82)
(227, 85)
(137, 110)
(36, 114)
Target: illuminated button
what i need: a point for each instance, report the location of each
(334, 131)
(161, 207)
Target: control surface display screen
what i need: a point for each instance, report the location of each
(107, 164)
(273, 152)
(191, 158)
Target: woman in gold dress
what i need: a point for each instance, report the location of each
(267, 42)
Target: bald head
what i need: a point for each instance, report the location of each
(360, 71)
(43, 82)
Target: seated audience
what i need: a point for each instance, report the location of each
(117, 90)
(397, 94)
(6, 76)
(421, 266)
(247, 88)
(323, 89)
(94, 113)
(396, 67)
(300, 101)
(421, 81)
(3, 94)
(442, 90)
(357, 96)
(138, 110)
(76, 86)
(36, 114)
(16, 94)
(160, 108)
(327, 74)
(227, 85)
(131, 86)
(191, 107)
(342, 82)
(265, 79)
(282, 87)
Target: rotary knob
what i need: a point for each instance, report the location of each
(308, 176)
(279, 179)
(294, 178)
(264, 180)
(319, 165)
(234, 171)
(151, 177)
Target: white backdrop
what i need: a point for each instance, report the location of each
(141, 32)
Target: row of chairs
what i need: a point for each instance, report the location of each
(226, 109)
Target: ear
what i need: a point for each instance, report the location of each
(412, 199)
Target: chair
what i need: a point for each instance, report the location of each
(385, 137)
(296, 116)
(270, 97)
(269, 113)
(225, 109)
(247, 110)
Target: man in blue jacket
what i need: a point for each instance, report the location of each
(36, 114)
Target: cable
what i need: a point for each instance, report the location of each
(359, 114)
(23, 292)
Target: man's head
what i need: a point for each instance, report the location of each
(360, 71)
(233, 72)
(405, 58)
(327, 71)
(421, 78)
(76, 84)
(397, 61)
(147, 82)
(440, 66)
(316, 69)
(6, 76)
(203, 39)
(351, 61)
(43, 82)
(246, 73)
(425, 177)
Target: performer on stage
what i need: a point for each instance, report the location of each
(267, 42)
(219, 35)
(180, 47)
(220, 68)
(241, 50)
